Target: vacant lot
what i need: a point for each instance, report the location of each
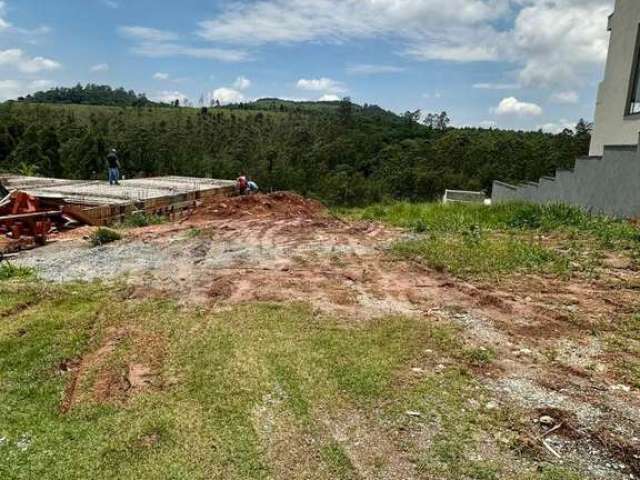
(266, 338)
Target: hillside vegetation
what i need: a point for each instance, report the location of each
(339, 152)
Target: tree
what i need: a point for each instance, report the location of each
(442, 121)
(412, 117)
(437, 121)
(345, 111)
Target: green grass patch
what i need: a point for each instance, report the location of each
(102, 236)
(338, 462)
(437, 217)
(622, 339)
(511, 237)
(9, 271)
(210, 373)
(482, 255)
(142, 219)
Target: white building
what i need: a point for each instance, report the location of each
(617, 118)
(608, 180)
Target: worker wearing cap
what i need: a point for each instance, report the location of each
(113, 163)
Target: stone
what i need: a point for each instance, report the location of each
(617, 263)
(547, 420)
(491, 405)
(623, 388)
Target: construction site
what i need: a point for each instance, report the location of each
(543, 389)
(32, 206)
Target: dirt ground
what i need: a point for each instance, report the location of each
(550, 357)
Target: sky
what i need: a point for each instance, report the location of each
(518, 64)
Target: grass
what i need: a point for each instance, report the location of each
(622, 341)
(244, 393)
(142, 219)
(102, 236)
(9, 271)
(458, 218)
(485, 255)
(475, 240)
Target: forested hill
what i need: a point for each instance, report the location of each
(336, 151)
(91, 94)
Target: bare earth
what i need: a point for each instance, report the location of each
(282, 248)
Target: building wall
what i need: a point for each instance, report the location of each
(607, 185)
(612, 126)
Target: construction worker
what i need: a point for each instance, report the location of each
(113, 163)
(242, 185)
(253, 187)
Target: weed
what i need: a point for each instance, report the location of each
(142, 219)
(194, 233)
(558, 473)
(10, 271)
(340, 465)
(419, 226)
(102, 236)
(480, 356)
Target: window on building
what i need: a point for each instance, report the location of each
(634, 97)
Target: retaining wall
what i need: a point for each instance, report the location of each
(607, 185)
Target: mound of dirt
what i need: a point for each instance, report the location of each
(278, 204)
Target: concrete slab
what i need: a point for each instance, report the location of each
(101, 203)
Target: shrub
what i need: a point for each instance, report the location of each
(142, 219)
(103, 236)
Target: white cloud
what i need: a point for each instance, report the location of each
(488, 124)
(429, 96)
(561, 39)
(147, 34)
(455, 53)
(550, 42)
(569, 97)
(4, 24)
(110, 4)
(265, 21)
(101, 67)
(164, 50)
(226, 95)
(169, 97)
(16, 58)
(160, 76)
(328, 97)
(368, 69)
(154, 43)
(30, 33)
(323, 84)
(513, 106)
(496, 86)
(242, 83)
(12, 89)
(556, 127)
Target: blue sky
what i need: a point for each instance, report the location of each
(510, 63)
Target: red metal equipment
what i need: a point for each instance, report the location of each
(24, 221)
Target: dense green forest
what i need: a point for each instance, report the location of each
(91, 94)
(342, 153)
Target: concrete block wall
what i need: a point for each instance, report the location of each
(608, 185)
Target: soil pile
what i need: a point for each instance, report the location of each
(278, 204)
